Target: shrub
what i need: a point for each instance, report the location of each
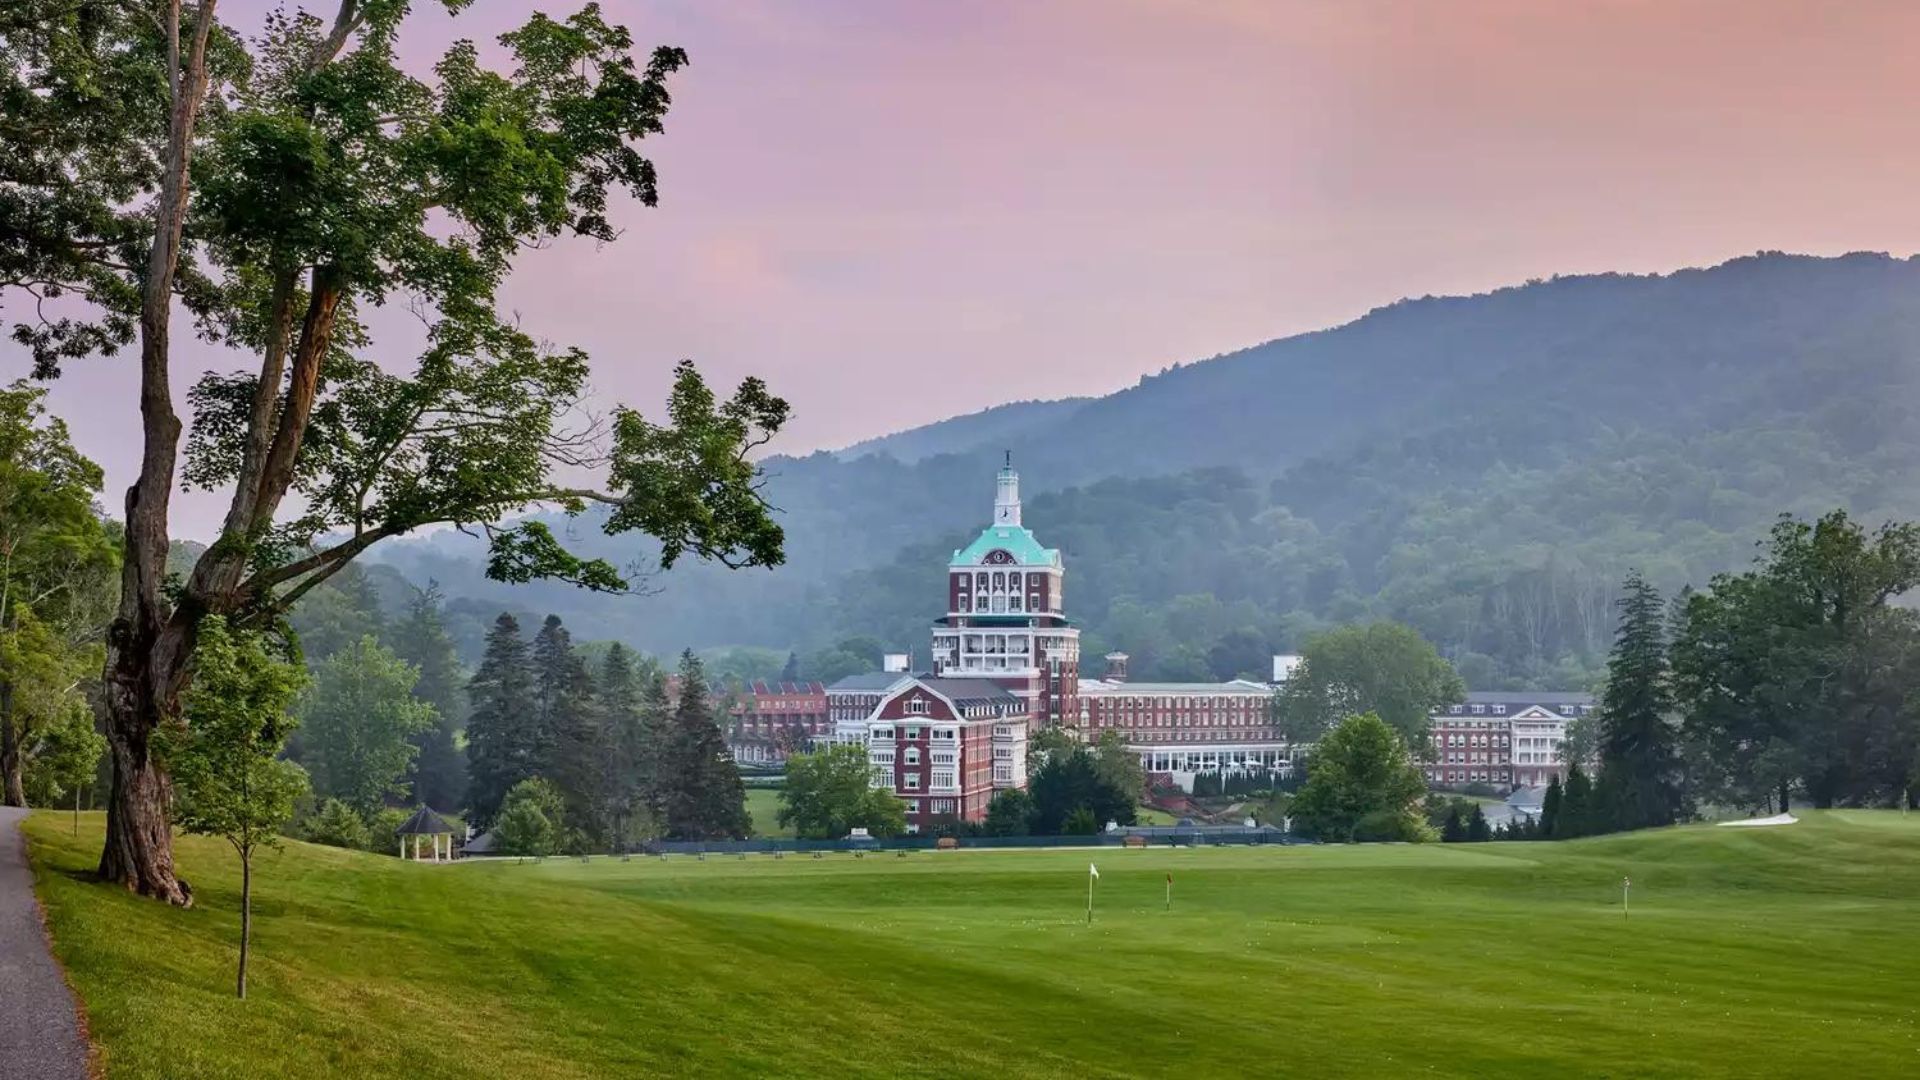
(336, 824)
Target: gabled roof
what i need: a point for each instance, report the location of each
(1529, 697)
(967, 692)
(1014, 540)
(424, 822)
(868, 682)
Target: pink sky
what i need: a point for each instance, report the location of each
(896, 212)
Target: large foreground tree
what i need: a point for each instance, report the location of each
(279, 189)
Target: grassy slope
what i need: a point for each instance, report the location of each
(1748, 952)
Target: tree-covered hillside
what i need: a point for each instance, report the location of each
(1482, 467)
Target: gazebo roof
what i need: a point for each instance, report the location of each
(424, 822)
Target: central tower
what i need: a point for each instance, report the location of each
(1006, 618)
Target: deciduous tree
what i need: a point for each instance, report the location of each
(1364, 786)
(225, 759)
(1383, 668)
(327, 178)
(829, 793)
(437, 775)
(359, 719)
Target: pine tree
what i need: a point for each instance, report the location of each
(620, 719)
(656, 736)
(705, 799)
(438, 774)
(1477, 829)
(570, 750)
(1453, 830)
(791, 672)
(1576, 806)
(500, 730)
(1548, 828)
(1639, 743)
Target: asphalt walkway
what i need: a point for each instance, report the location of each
(39, 1024)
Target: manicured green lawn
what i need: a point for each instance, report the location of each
(763, 805)
(1749, 952)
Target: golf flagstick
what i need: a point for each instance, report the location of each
(1626, 886)
(1169, 891)
(1093, 875)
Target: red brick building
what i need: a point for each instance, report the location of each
(944, 746)
(767, 721)
(1006, 618)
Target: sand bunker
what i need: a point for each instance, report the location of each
(1777, 819)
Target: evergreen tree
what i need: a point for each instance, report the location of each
(438, 774)
(501, 740)
(1638, 740)
(1477, 829)
(569, 749)
(1453, 830)
(656, 737)
(791, 671)
(705, 799)
(1547, 828)
(1576, 806)
(622, 774)
(1010, 813)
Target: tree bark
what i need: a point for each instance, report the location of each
(1783, 796)
(138, 693)
(246, 917)
(11, 767)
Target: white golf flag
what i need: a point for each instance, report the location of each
(1092, 869)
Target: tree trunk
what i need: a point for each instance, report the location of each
(1783, 796)
(145, 653)
(11, 766)
(246, 917)
(139, 847)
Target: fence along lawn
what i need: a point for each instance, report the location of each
(1785, 951)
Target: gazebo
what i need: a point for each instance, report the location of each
(425, 822)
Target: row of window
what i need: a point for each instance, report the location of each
(1002, 580)
(1501, 710)
(1476, 740)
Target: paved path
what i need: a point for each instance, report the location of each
(39, 1030)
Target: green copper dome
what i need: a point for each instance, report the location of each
(1012, 539)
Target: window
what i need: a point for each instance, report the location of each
(1478, 709)
(913, 733)
(913, 755)
(1499, 710)
(917, 707)
(912, 781)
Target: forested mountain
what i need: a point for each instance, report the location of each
(970, 432)
(1483, 467)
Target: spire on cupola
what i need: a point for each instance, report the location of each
(1006, 499)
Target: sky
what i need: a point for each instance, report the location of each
(898, 212)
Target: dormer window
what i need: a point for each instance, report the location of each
(917, 706)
